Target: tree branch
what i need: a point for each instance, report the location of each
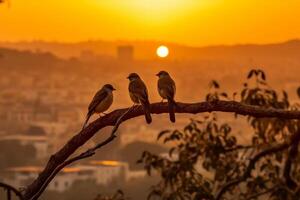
(294, 141)
(88, 153)
(291, 184)
(157, 108)
(250, 167)
(239, 147)
(255, 196)
(11, 188)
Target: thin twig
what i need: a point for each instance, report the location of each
(239, 147)
(250, 167)
(254, 196)
(88, 153)
(11, 188)
(292, 154)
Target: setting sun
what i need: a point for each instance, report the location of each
(162, 51)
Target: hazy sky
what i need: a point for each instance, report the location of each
(193, 22)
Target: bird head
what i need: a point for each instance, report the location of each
(109, 87)
(162, 74)
(133, 76)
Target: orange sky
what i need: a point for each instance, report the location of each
(192, 22)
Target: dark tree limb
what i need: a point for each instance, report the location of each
(239, 147)
(271, 150)
(157, 108)
(256, 195)
(293, 152)
(10, 188)
(250, 167)
(88, 153)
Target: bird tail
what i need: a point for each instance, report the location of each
(86, 121)
(172, 105)
(147, 111)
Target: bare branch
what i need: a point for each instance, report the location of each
(88, 153)
(254, 196)
(239, 147)
(11, 188)
(250, 167)
(157, 108)
(292, 184)
(294, 141)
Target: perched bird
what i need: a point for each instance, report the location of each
(101, 101)
(167, 89)
(139, 94)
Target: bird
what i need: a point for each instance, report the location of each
(139, 94)
(101, 102)
(167, 89)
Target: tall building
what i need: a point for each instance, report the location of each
(125, 53)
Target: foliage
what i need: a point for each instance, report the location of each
(206, 155)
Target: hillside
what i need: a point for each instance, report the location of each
(146, 49)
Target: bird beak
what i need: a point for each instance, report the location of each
(114, 89)
(156, 74)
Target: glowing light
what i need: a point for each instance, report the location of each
(111, 163)
(162, 51)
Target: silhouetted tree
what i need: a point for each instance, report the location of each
(207, 161)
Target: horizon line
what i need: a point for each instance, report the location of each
(148, 41)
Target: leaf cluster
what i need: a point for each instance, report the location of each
(207, 154)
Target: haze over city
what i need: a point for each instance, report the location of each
(56, 56)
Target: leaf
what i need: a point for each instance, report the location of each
(208, 97)
(171, 151)
(263, 75)
(234, 95)
(162, 133)
(243, 93)
(224, 94)
(250, 74)
(285, 95)
(263, 167)
(214, 84)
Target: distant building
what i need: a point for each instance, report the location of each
(107, 170)
(39, 142)
(133, 133)
(22, 176)
(125, 53)
(103, 172)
